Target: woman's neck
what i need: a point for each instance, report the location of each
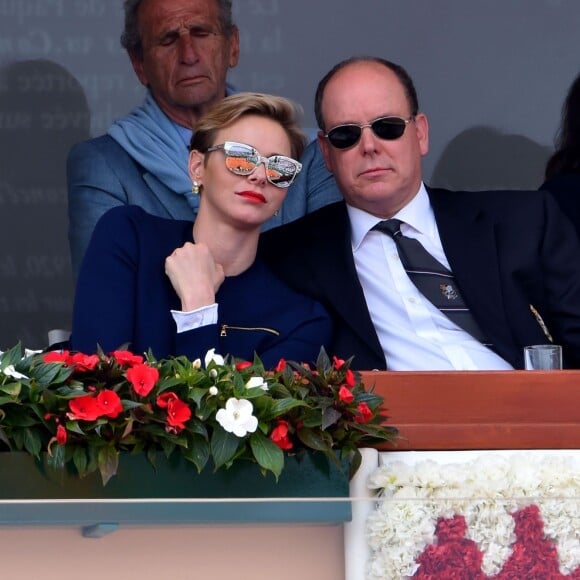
(231, 247)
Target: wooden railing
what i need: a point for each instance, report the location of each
(481, 410)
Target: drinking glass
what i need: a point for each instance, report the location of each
(543, 357)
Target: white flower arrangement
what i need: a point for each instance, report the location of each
(486, 491)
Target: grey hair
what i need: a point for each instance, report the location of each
(131, 40)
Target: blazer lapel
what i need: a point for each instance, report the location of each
(172, 202)
(469, 241)
(334, 264)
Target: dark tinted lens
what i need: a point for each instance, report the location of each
(389, 128)
(344, 136)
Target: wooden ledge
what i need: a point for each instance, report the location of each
(481, 409)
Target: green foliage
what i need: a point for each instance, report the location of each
(84, 410)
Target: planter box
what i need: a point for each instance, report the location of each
(172, 492)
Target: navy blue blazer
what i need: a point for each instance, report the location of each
(507, 249)
(124, 296)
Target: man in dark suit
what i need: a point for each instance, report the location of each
(512, 256)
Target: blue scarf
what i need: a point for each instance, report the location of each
(154, 141)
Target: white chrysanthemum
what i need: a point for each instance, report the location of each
(256, 382)
(486, 492)
(210, 356)
(237, 417)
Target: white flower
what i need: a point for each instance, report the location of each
(213, 391)
(196, 364)
(213, 374)
(210, 356)
(30, 352)
(257, 382)
(237, 417)
(11, 372)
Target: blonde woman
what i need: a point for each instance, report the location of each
(181, 288)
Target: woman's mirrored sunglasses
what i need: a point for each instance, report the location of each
(387, 128)
(243, 159)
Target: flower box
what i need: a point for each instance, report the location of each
(173, 492)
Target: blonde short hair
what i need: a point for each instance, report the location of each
(227, 111)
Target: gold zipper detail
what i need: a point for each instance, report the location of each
(226, 327)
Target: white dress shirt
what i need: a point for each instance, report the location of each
(414, 334)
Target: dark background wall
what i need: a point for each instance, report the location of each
(491, 76)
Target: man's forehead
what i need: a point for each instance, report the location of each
(361, 93)
(167, 14)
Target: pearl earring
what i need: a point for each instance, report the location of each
(195, 188)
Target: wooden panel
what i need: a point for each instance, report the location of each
(481, 410)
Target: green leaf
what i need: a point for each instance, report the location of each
(12, 356)
(267, 453)
(281, 406)
(223, 446)
(108, 460)
(80, 460)
(11, 389)
(315, 439)
(197, 452)
(32, 442)
(56, 459)
(330, 417)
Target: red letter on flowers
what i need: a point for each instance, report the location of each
(280, 436)
(143, 378)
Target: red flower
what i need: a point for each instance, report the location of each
(143, 378)
(61, 435)
(163, 399)
(243, 365)
(345, 395)
(280, 436)
(178, 412)
(280, 366)
(86, 408)
(364, 414)
(349, 378)
(57, 357)
(84, 362)
(126, 358)
(109, 403)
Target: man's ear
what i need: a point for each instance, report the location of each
(234, 47)
(422, 132)
(137, 64)
(196, 166)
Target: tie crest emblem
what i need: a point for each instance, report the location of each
(448, 291)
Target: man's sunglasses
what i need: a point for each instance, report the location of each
(243, 159)
(387, 128)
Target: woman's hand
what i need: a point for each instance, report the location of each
(194, 275)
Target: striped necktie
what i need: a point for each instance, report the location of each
(432, 279)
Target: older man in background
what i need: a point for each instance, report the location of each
(181, 51)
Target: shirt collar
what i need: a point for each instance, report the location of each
(418, 214)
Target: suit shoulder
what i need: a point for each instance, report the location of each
(500, 199)
(304, 229)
